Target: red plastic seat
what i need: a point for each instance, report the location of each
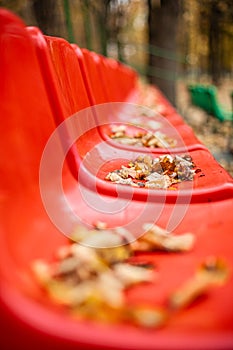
(115, 73)
(69, 74)
(104, 74)
(27, 119)
(92, 62)
(85, 74)
(65, 87)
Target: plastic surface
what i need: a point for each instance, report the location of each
(28, 319)
(97, 82)
(114, 73)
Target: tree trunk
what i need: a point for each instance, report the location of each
(102, 25)
(214, 44)
(163, 23)
(50, 17)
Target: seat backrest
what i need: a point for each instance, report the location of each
(26, 116)
(103, 76)
(117, 74)
(65, 77)
(63, 81)
(92, 63)
(69, 74)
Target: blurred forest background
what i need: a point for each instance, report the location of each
(171, 43)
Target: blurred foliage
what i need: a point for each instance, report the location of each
(209, 31)
(119, 28)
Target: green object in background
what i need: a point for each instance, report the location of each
(205, 97)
